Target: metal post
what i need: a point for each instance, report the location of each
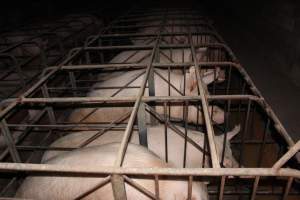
(49, 109)
(141, 118)
(73, 83)
(118, 187)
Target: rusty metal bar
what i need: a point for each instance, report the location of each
(222, 186)
(10, 142)
(118, 187)
(99, 185)
(139, 187)
(100, 171)
(287, 188)
(289, 154)
(132, 99)
(141, 119)
(123, 146)
(204, 103)
(255, 186)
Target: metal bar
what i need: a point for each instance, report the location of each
(246, 123)
(118, 187)
(150, 46)
(208, 123)
(222, 185)
(262, 146)
(141, 118)
(10, 142)
(73, 83)
(139, 187)
(289, 154)
(49, 109)
(57, 170)
(156, 185)
(123, 146)
(255, 186)
(166, 119)
(185, 119)
(190, 188)
(287, 188)
(131, 99)
(96, 187)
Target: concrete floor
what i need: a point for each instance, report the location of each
(278, 90)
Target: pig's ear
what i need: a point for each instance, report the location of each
(233, 132)
(192, 78)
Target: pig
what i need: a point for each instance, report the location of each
(109, 114)
(156, 143)
(66, 187)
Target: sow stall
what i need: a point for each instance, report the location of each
(25, 52)
(267, 165)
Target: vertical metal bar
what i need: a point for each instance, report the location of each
(244, 134)
(262, 146)
(229, 80)
(156, 182)
(185, 118)
(169, 89)
(225, 131)
(50, 111)
(287, 188)
(101, 53)
(222, 185)
(9, 142)
(255, 186)
(190, 188)
(73, 83)
(166, 131)
(118, 187)
(141, 118)
(205, 149)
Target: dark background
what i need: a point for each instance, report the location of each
(263, 34)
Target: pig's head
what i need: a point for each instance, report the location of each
(208, 77)
(229, 160)
(192, 90)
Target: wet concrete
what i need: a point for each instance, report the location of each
(259, 61)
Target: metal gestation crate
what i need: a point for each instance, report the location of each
(25, 52)
(264, 150)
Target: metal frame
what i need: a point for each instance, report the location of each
(118, 175)
(65, 36)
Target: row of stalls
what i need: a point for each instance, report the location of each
(161, 78)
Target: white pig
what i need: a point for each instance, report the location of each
(109, 114)
(66, 187)
(156, 143)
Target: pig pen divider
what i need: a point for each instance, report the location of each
(61, 35)
(246, 106)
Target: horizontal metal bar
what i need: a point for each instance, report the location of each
(116, 35)
(150, 47)
(100, 171)
(139, 65)
(132, 99)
